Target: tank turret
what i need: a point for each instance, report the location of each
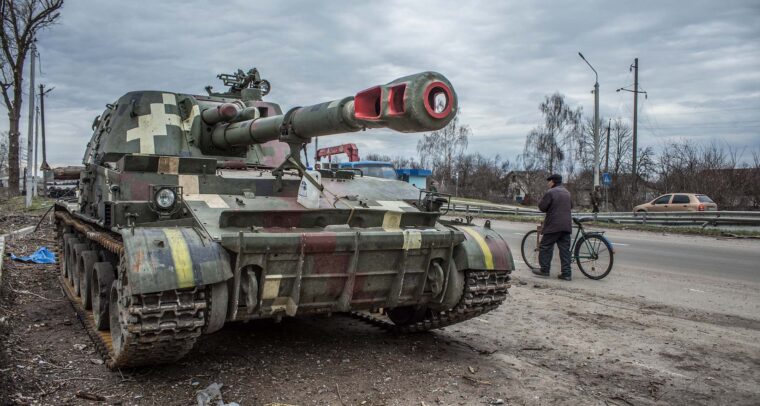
(421, 102)
(226, 125)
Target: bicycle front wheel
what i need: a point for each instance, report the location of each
(594, 256)
(529, 248)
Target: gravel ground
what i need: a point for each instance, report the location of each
(547, 345)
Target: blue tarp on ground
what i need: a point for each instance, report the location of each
(41, 256)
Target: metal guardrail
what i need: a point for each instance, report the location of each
(699, 218)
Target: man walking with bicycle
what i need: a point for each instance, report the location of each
(557, 228)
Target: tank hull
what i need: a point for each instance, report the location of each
(276, 272)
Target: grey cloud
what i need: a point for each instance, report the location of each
(698, 61)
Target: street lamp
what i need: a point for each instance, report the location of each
(596, 122)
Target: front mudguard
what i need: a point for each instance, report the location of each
(483, 249)
(159, 259)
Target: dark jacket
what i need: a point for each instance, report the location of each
(558, 208)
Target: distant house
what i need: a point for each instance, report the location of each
(525, 187)
(417, 177)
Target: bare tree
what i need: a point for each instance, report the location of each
(441, 149)
(398, 161)
(20, 22)
(482, 177)
(621, 147)
(373, 156)
(752, 185)
(709, 168)
(3, 154)
(547, 145)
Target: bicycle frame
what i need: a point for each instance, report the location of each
(580, 233)
(591, 249)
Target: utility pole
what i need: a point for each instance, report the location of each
(635, 118)
(606, 159)
(44, 167)
(36, 145)
(30, 140)
(635, 91)
(596, 122)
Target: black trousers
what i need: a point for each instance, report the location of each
(546, 251)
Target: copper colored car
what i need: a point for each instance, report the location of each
(677, 202)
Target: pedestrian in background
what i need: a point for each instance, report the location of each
(556, 229)
(596, 200)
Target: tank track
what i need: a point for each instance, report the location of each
(161, 328)
(483, 292)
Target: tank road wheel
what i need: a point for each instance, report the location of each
(62, 254)
(85, 262)
(77, 252)
(453, 291)
(71, 262)
(436, 278)
(68, 253)
(118, 320)
(101, 281)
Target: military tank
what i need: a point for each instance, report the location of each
(194, 211)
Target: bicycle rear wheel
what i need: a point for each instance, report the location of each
(593, 254)
(529, 249)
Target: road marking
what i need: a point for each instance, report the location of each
(617, 243)
(518, 233)
(697, 290)
(517, 260)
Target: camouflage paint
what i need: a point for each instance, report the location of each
(171, 258)
(483, 249)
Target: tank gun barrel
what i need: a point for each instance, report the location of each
(421, 102)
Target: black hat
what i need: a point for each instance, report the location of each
(557, 178)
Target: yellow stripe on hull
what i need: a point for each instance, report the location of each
(487, 256)
(183, 265)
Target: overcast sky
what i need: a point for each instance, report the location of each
(699, 61)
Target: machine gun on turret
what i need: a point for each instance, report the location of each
(239, 81)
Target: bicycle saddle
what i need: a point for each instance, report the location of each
(580, 220)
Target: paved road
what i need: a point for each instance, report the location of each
(703, 273)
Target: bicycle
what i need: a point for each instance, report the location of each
(591, 250)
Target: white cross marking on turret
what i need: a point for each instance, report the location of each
(154, 124)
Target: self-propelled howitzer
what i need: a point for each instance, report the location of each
(197, 210)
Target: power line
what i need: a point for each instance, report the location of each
(726, 126)
(679, 113)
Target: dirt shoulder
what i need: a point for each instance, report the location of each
(546, 345)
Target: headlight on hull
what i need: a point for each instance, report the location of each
(165, 198)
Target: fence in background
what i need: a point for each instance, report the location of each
(683, 218)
